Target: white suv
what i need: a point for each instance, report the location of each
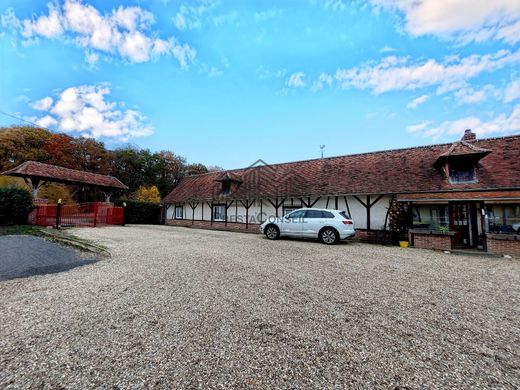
(329, 226)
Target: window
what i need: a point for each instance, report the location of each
(462, 172)
(345, 215)
(219, 213)
(503, 218)
(226, 186)
(296, 214)
(313, 214)
(327, 214)
(430, 216)
(178, 212)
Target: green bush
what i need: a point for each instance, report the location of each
(15, 205)
(141, 212)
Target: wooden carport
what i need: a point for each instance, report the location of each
(37, 174)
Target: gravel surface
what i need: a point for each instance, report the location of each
(186, 308)
(22, 256)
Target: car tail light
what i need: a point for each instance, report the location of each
(347, 222)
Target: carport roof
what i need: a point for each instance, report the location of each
(54, 173)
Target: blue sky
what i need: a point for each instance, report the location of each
(227, 82)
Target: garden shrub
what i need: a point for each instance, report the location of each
(15, 205)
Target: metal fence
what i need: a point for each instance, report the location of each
(77, 215)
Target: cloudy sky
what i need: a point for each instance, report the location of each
(228, 82)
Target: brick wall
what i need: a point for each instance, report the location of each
(431, 241)
(217, 225)
(503, 244)
(373, 236)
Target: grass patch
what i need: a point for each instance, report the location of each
(20, 229)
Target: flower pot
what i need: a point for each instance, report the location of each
(403, 244)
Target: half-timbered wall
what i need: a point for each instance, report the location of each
(260, 210)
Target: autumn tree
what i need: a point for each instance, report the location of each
(20, 144)
(147, 194)
(196, 169)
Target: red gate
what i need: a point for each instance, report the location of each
(78, 215)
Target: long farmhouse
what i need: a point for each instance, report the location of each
(460, 195)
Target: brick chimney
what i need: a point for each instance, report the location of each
(469, 136)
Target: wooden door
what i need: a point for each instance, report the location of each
(459, 223)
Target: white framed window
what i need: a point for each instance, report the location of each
(219, 212)
(178, 212)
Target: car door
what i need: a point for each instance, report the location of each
(291, 224)
(312, 223)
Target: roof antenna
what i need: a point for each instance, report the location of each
(322, 147)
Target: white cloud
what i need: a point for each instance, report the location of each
(266, 73)
(226, 18)
(470, 95)
(335, 5)
(296, 80)
(400, 73)
(84, 110)
(417, 102)
(263, 16)
(418, 127)
(323, 79)
(123, 32)
(501, 124)
(49, 26)
(462, 20)
(512, 91)
(43, 104)
(190, 14)
(387, 49)
(46, 121)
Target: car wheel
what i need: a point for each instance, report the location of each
(272, 232)
(329, 236)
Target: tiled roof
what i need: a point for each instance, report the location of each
(408, 170)
(33, 169)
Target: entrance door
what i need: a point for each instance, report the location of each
(459, 223)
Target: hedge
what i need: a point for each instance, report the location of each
(15, 205)
(141, 212)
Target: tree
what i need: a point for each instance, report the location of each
(196, 169)
(63, 151)
(20, 144)
(147, 194)
(91, 155)
(55, 191)
(171, 171)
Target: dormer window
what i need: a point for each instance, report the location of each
(462, 172)
(226, 187)
(229, 182)
(459, 162)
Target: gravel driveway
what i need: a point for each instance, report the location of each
(186, 308)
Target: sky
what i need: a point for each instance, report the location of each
(228, 82)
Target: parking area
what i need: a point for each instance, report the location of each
(184, 308)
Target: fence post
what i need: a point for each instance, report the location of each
(58, 214)
(95, 213)
(124, 205)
